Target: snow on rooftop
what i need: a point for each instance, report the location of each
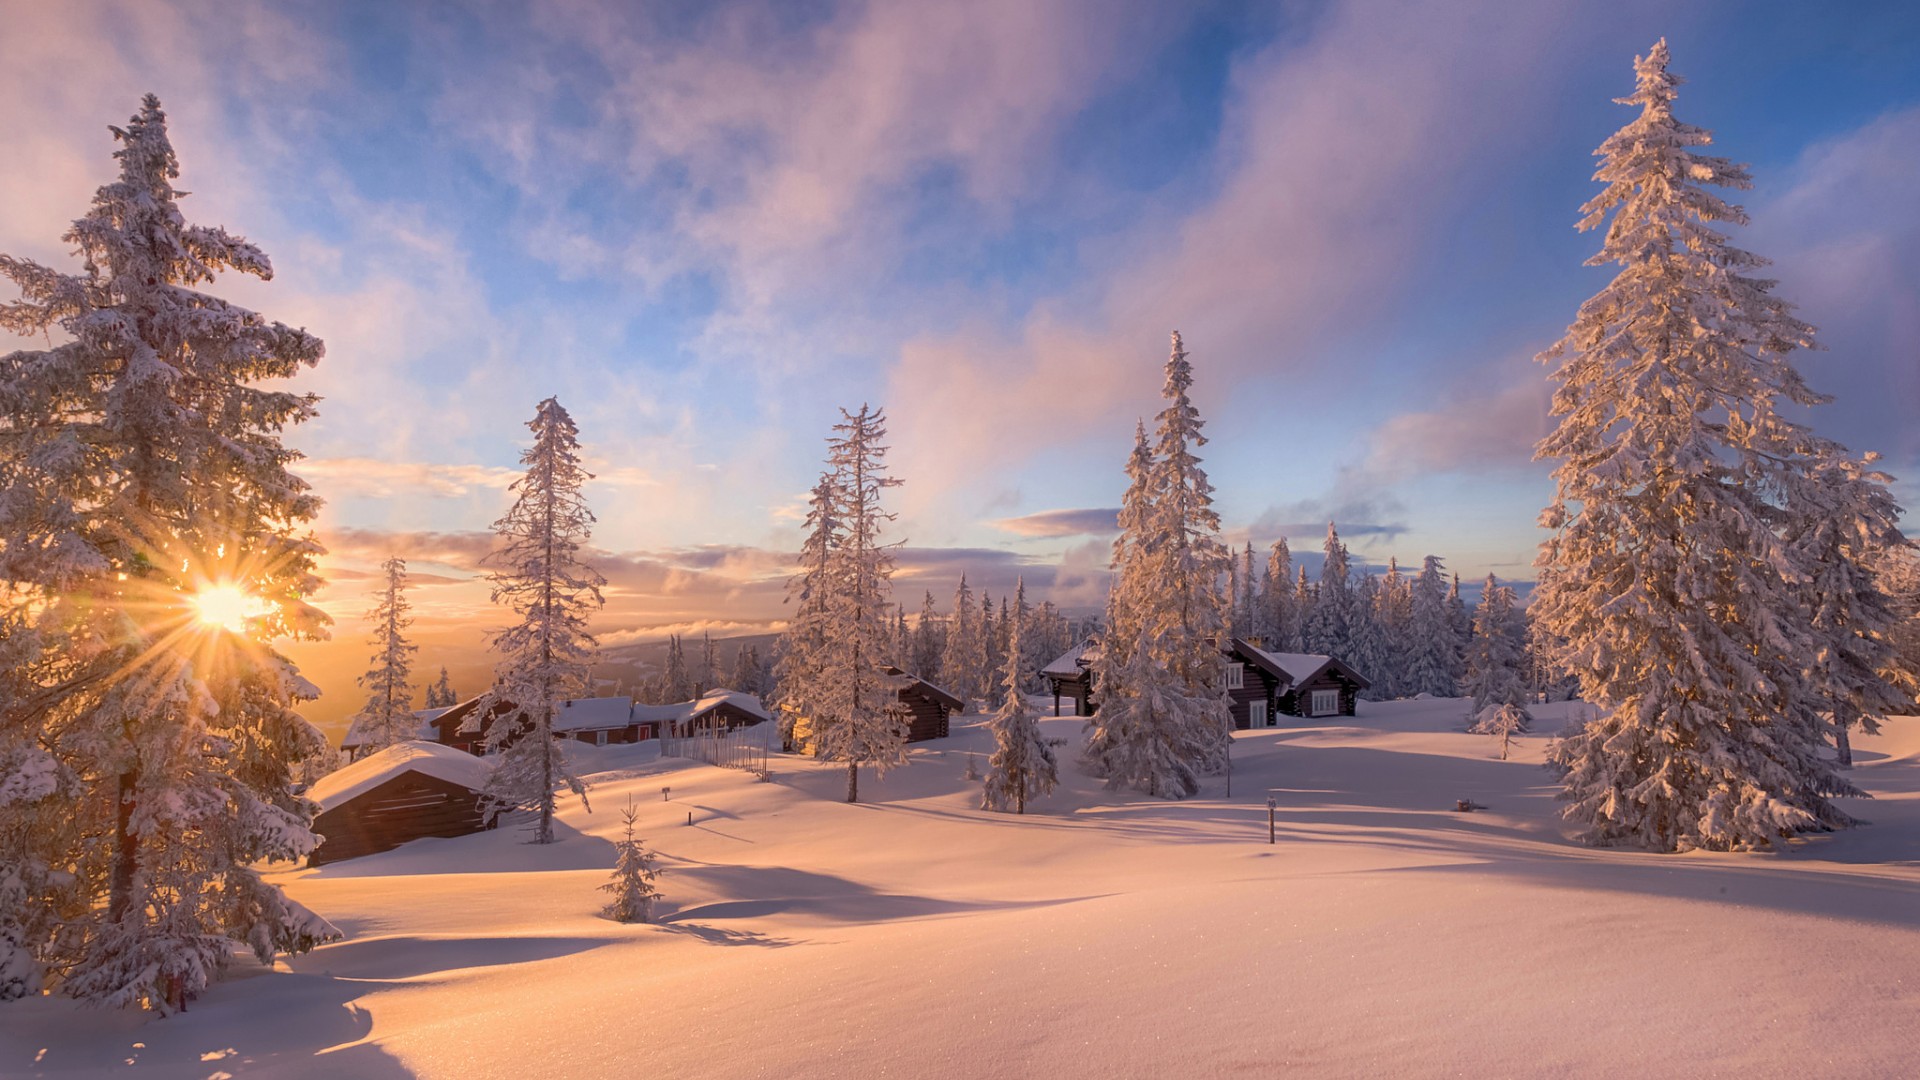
(593, 714)
(745, 702)
(1069, 663)
(440, 762)
(1299, 666)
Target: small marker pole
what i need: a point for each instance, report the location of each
(1272, 829)
(689, 817)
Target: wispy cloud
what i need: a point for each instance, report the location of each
(1057, 523)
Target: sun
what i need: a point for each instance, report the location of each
(225, 607)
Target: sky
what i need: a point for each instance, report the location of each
(707, 227)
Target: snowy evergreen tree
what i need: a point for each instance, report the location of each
(677, 682)
(1306, 601)
(803, 646)
(1846, 519)
(1431, 659)
(991, 633)
(1246, 596)
(928, 643)
(152, 544)
(1396, 617)
(1161, 679)
(1898, 568)
(1022, 766)
(387, 717)
(1327, 632)
(1279, 622)
(860, 718)
(1495, 679)
(966, 647)
(1460, 621)
(1368, 649)
(1667, 578)
(440, 695)
(706, 675)
(632, 887)
(746, 670)
(547, 658)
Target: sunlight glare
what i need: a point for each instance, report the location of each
(225, 607)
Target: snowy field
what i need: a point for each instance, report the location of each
(1384, 934)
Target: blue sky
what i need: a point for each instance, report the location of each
(704, 227)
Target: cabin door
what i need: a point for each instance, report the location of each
(1256, 714)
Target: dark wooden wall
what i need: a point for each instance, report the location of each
(1296, 702)
(407, 807)
(928, 719)
(1258, 686)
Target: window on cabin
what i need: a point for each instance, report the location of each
(599, 738)
(1325, 703)
(1236, 676)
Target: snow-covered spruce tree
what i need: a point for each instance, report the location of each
(1305, 600)
(746, 671)
(803, 644)
(1845, 520)
(1396, 616)
(1368, 649)
(1496, 665)
(966, 648)
(547, 657)
(1166, 603)
(1431, 652)
(1327, 632)
(152, 544)
(1667, 579)
(1898, 568)
(1022, 766)
(440, 695)
(992, 633)
(860, 719)
(632, 887)
(709, 664)
(387, 717)
(1278, 623)
(679, 681)
(927, 644)
(1460, 621)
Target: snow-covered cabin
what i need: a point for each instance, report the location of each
(1262, 685)
(408, 791)
(928, 707)
(728, 709)
(355, 742)
(1071, 677)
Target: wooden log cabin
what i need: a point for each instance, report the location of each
(1261, 685)
(928, 707)
(405, 792)
(609, 721)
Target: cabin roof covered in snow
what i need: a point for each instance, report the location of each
(593, 714)
(1300, 667)
(682, 711)
(440, 762)
(1074, 661)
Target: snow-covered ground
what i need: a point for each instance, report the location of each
(1103, 935)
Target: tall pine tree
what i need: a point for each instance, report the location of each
(387, 717)
(547, 657)
(1668, 583)
(152, 544)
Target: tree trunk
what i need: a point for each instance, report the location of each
(126, 848)
(853, 781)
(1843, 743)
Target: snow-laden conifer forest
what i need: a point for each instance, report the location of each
(839, 788)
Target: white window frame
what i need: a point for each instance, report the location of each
(1236, 676)
(599, 738)
(1258, 715)
(1324, 696)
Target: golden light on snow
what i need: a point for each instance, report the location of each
(225, 607)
